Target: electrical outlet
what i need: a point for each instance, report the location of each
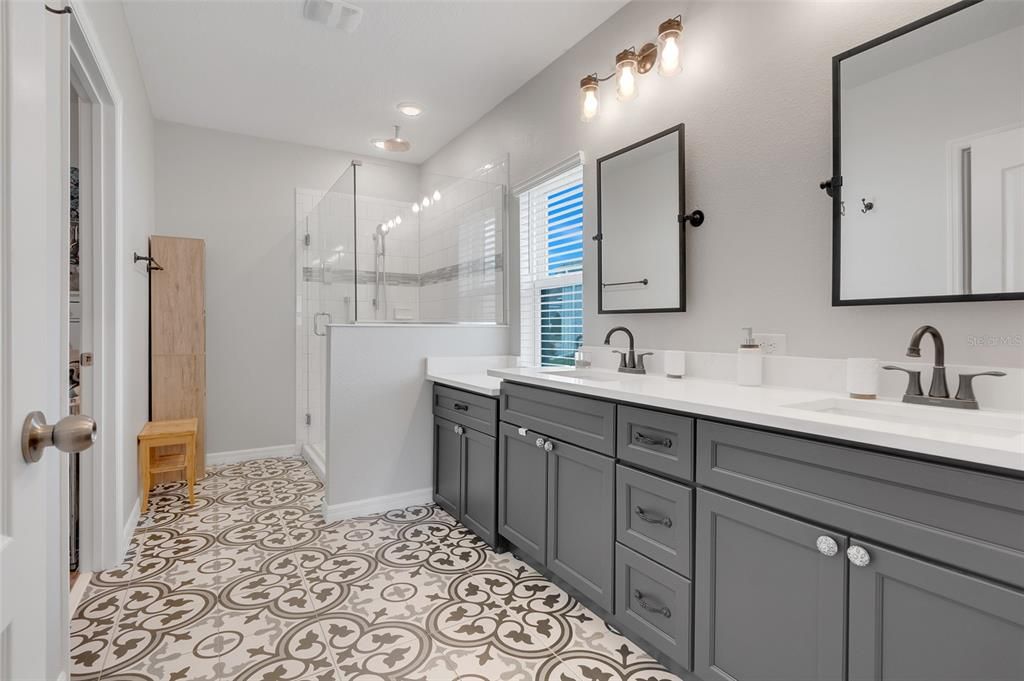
(771, 343)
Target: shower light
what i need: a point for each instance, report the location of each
(437, 195)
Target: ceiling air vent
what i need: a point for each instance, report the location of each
(334, 13)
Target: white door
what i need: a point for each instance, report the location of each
(33, 552)
(997, 212)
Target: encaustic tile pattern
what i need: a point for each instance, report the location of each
(250, 583)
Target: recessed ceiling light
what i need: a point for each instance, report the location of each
(410, 109)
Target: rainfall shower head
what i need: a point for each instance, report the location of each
(396, 143)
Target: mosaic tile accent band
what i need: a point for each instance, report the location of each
(251, 584)
(494, 263)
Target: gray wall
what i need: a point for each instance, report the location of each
(379, 406)
(756, 100)
(238, 194)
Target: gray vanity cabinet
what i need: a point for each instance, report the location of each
(912, 620)
(522, 492)
(769, 605)
(581, 520)
(447, 466)
(479, 510)
(466, 460)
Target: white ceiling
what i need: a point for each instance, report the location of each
(260, 68)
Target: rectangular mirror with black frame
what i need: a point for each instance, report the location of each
(641, 246)
(928, 160)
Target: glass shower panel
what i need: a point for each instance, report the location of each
(462, 247)
(387, 244)
(326, 295)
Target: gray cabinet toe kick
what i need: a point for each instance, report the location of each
(735, 553)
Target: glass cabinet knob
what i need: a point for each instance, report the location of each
(858, 555)
(827, 546)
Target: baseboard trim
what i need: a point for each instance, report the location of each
(315, 459)
(390, 502)
(238, 455)
(129, 530)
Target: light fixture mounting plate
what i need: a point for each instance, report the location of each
(646, 58)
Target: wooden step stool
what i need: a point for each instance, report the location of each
(165, 434)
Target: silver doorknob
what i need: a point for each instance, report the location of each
(858, 555)
(827, 546)
(70, 434)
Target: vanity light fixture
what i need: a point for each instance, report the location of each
(436, 196)
(626, 63)
(416, 207)
(630, 64)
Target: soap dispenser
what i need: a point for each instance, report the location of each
(749, 360)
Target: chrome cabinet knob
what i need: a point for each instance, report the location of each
(827, 546)
(70, 434)
(460, 430)
(549, 446)
(540, 443)
(858, 555)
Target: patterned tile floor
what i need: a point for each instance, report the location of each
(251, 583)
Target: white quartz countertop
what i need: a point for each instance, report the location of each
(988, 437)
(468, 373)
(478, 382)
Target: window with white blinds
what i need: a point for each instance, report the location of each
(551, 266)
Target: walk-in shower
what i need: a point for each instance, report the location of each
(388, 244)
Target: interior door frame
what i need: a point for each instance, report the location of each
(104, 535)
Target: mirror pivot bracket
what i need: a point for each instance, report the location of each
(696, 218)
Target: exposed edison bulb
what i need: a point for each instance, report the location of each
(625, 75)
(436, 195)
(589, 104)
(668, 47)
(425, 202)
(416, 208)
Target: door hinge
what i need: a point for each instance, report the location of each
(309, 419)
(306, 240)
(86, 359)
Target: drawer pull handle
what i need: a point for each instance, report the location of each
(652, 441)
(657, 610)
(667, 522)
(461, 407)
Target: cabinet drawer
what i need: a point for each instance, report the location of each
(577, 420)
(656, 441)
(654, 603)
(467, 409)
(968, 519)
(653, 517)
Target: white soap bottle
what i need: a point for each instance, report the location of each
(749, 360)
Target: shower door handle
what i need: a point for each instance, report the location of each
(317, 316)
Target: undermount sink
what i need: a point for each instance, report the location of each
(588, 374)
(993, 424)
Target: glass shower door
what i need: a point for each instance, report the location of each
(326, 291)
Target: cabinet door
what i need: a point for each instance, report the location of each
(480, 485)
(522, 484)
(769, 605)
(581, 520)
(911, 620)
(447, 466)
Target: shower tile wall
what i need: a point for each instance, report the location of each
(402, 263)
(461, 254)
